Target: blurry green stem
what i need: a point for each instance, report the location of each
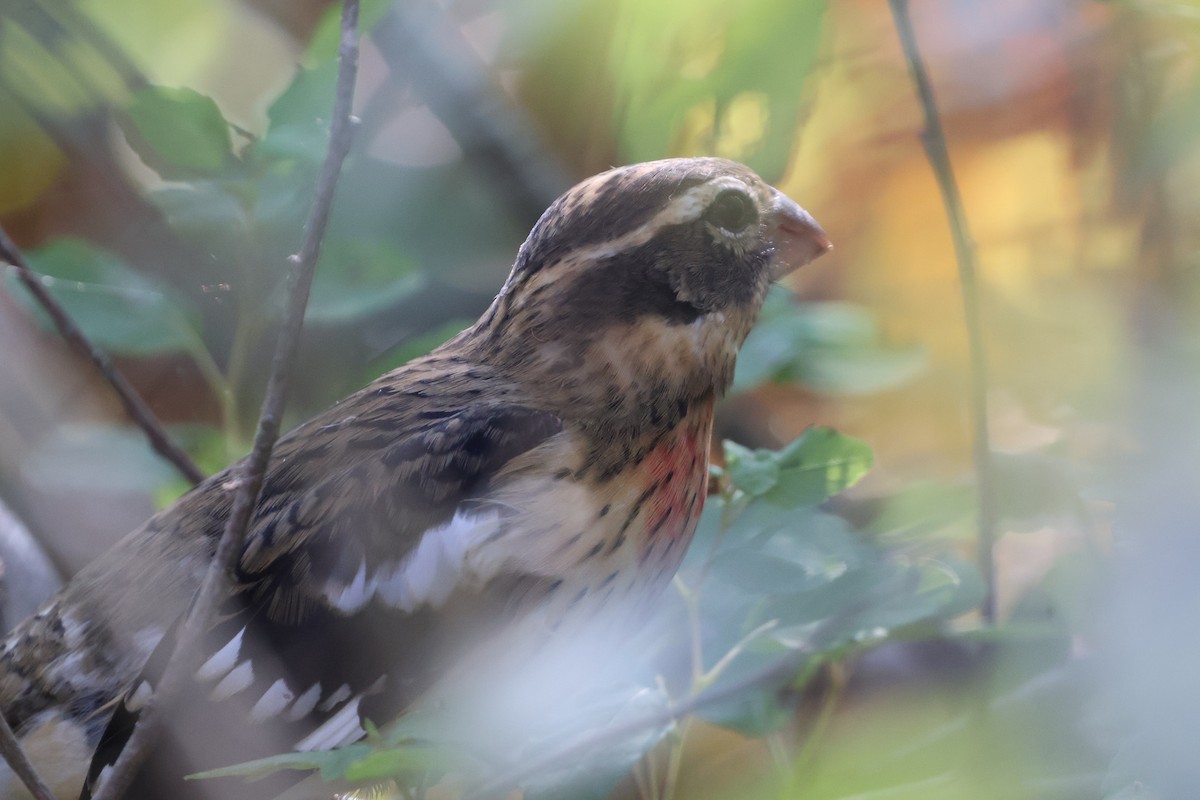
(933, 138)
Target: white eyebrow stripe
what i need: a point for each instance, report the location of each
(684, 208)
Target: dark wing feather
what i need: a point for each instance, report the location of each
(312, 533)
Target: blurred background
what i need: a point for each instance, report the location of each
(157, 158)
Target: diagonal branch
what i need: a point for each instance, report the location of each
(250, 473)
(933, 138)
(134, 405)
(10, 748)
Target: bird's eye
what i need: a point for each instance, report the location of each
(731, 210)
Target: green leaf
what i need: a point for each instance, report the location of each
(203, 210)
(674, 60)
(326, 38)
(118, 309)
(178, 133)
(858, 371)
(925, 509)
(755, 472)
(401, 761)
(358, 277)
(332, 764)
(830, 347)
(817, 465)
(415, 347)
(298, 131)
(774, 551)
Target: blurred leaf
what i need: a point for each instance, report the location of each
(307, 101)
(858, 371)
(830, 347)
(415, 347)
(816, 465)
(400, 762)
(204, 210)
(926, 508)
(775, 552)
(360, 277)
(675, 60)
(96, 458)
(117, 308)
(332, 764)
(210, 450)
(178, 133)
(1173, 137)
(1032, 489)
(755, 472)
(327, 36)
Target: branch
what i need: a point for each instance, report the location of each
(250, 473)
(933, 138)
(10, 748)
(134, 405)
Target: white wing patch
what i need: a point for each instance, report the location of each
(304, 704)
(239, 678)
(140, 696)
(342, 728)
(340, 694)
(355, 596)
(273, 701)
(428, 575)
(223, 660)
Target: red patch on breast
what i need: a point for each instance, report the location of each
(676, 474)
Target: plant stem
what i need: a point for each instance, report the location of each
(933, 138)
(251, 471)
(135, 407)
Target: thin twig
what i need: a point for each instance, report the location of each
(134, 405)
(250, 473)
(10, 748)
(933, 138)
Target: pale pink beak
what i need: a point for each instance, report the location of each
(797, 236)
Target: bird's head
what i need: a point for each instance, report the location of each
(650, 274)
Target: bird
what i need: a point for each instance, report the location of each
(548, 461)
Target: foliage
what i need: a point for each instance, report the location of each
(821, 563)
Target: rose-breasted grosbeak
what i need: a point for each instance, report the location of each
(550, 459)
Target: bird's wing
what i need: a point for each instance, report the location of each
(342, 568)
